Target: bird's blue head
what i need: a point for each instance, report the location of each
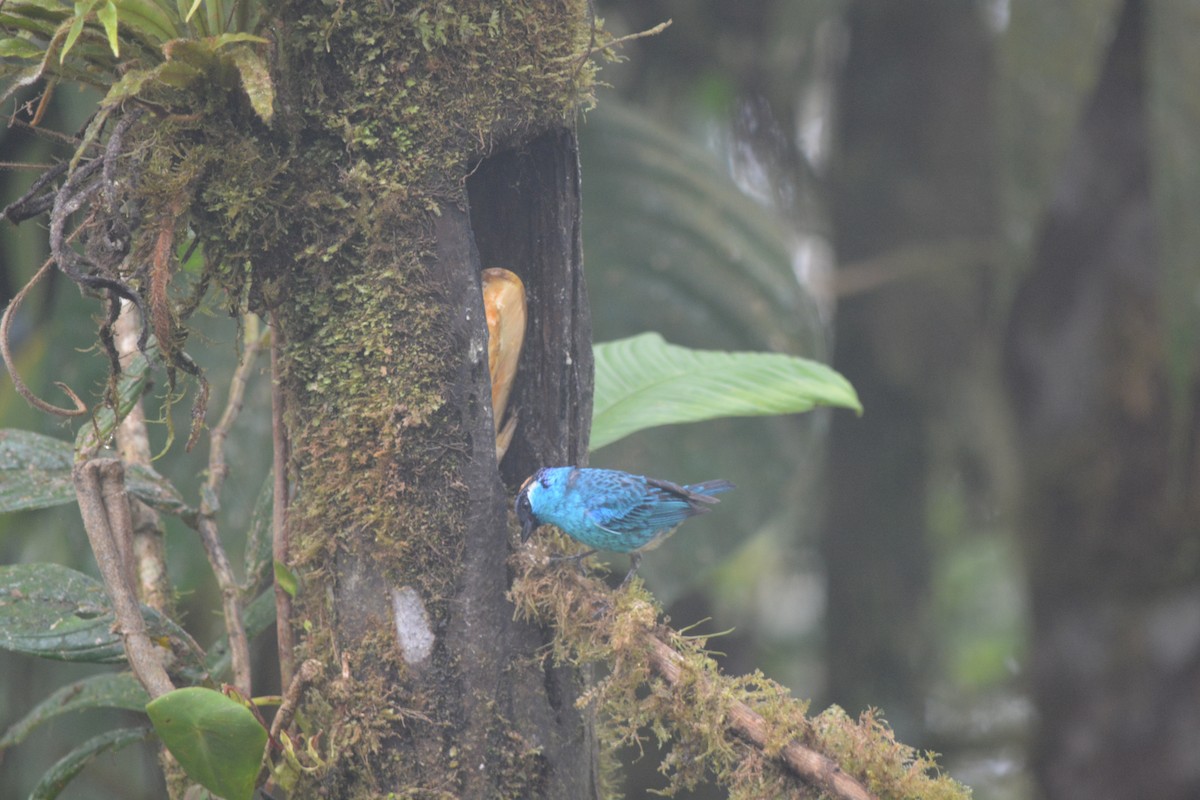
(527, 499)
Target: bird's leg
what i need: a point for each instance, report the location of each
(577, 558)
(635, 559)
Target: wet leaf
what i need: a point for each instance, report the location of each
(35, 471)
(51, 611)
(70, 765)
(216, 740)
(107, 690)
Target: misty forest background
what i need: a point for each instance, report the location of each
(990, 212)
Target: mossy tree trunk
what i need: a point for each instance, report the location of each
(398, 521)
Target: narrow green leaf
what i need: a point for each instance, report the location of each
(129, 388)
(216, 740)
(226, 39)
(38, 25)
(35, 471)
(107, 14)
(81, 12)
(70, 765)
(106, 690)
(256, 81)
(258, 556)
(192, 10)
(1173, 110)
(149, 20)
(643, 382)
(286, 578)
(128, 86)
(20, 48)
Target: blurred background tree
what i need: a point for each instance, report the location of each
(982, 213)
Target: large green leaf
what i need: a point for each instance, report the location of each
(35, 472)
(67, 767)
(674, 245)
(51, 611)
(643, 382)
(216, 740)
(107, 690)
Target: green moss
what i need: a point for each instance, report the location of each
(693, 711)
(324, 221)
(389, 108)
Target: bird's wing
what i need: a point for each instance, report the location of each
(662, 505)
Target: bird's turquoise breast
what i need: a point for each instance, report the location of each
(606, 509)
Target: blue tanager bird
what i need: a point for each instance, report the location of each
(607, 509)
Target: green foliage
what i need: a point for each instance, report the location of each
(70, 765)
(643, 381)
(217, 740)
(35, 472)
(136, 48)
(106, 690)
(51, 611)
(694, 710)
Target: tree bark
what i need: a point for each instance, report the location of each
(912, 161)
(399, 523)
(1110, 512)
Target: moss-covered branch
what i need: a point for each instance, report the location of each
(747, 732)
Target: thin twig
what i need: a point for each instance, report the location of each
(45, 132)
(629, 37)
(284, 637)
(239, 647)
(24, 165)
(100, 489)
(18, 384)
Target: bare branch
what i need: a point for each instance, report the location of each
(103, 503)
(239, 647)
(655, 31)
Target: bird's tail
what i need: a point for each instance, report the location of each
(710, 487)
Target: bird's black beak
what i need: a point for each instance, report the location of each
(525, 515)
